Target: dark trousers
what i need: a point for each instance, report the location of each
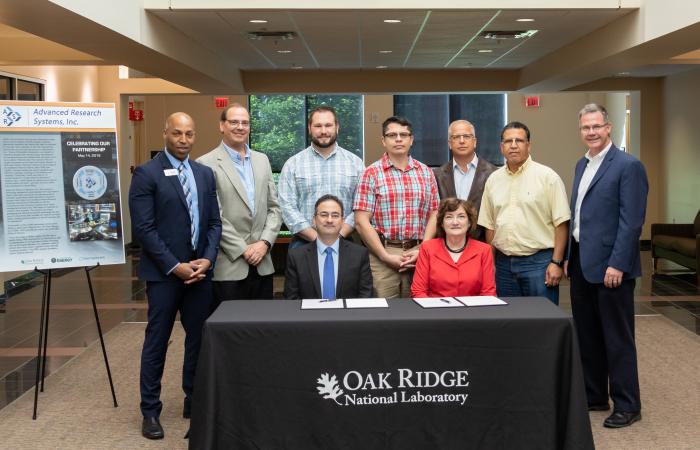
(252, 287)
(604, 319)
(165, 300)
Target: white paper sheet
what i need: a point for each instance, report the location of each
(481, 301)
(438, 302)
(321, 303)
(366, 303)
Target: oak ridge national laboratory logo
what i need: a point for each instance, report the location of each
(402, 386)
(10, 116)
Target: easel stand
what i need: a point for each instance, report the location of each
(44, 333)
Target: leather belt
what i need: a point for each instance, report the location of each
(402, 244)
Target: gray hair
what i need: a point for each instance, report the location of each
(594, 108)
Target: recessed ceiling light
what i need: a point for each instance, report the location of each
(385, 51)
(624, 74)
(525, 20)
(392, 20)
(257, 21)
(297, 67)
(381, 67)
(284, 51)
(485, 51)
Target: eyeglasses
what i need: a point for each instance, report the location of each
(517, 141)
(237, 123)
(403, 135)
(458, 137)
(325, 215)
(593, 128)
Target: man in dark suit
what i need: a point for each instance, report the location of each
(175, 217)
(608, 203)
(465, 175)
(329, 267)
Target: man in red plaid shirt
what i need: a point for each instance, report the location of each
(395, 205)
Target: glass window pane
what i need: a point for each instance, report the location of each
(487, 113)
(5, 93)
(349, 110)
(429, 116)
(278, 126)
(27, 90)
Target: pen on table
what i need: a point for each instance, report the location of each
(445, 300)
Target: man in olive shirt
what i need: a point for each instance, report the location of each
(526, 215)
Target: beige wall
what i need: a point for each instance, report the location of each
(63, 83)
(681, 147)
(377, 109)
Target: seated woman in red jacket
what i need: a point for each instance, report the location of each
(453, 265)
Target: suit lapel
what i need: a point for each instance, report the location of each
(199, 181)
(224, 160)
(604, 166)
(448, 175)
(174, 179)
(260, 179)
(342, 248)
(477, 188)
(312, 260)
(580, 167)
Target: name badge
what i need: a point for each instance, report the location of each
(170, 172)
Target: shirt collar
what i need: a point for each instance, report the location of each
(521, 169)
(472, 164)
(317, 153)
(600, 155)
(176, 162)
(234, 153)
(321, 247)
(387, 163)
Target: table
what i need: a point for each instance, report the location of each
(273, 376)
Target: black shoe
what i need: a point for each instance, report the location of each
(187, 409)
(151, 428)
(599, 407)
(620, 419)
(187, 435)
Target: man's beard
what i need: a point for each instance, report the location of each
(330, 143)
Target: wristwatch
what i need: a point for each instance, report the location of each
(558, 262)
(269, 246)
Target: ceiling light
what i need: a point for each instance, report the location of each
(257, 21)
(485, 51)
(297, 67)
(385, 51)
(525, 20)
(392, 20)
(624, 74)
(284, 51)
(381, 67)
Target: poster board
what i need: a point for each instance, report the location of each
(59, 186)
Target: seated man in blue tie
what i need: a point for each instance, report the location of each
(329, 267)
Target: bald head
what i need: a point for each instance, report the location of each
(179, 135)
(462, 141)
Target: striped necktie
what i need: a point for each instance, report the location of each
(182, 176)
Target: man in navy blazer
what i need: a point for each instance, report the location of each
(608, 205)
(175, 217)
(306, 275)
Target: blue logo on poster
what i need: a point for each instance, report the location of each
(89, 182)
(10, 116)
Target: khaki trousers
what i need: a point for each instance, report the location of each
(389, 283)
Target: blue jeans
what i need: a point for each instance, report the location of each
(523, 276)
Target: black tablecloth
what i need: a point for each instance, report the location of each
(508, 377)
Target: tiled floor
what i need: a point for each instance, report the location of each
(121, 297)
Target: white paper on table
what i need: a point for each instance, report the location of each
(321, 303)
(486, 300)
(366, 303)
(438, 302)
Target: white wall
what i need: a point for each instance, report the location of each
(681, 147)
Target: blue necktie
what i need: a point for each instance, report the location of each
(328, 275)
(182, 176)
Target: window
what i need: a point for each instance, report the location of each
(14, 87)
(431, 116)
(278, 124)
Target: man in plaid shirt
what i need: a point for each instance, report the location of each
(320, 169)
(395, 206)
